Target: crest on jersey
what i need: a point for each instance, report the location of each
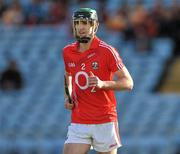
(95, 65)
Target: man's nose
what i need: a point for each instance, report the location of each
(81, 26)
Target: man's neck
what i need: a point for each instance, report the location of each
(84, 46)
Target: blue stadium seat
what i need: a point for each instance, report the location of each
(36, 118)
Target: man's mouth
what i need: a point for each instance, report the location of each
(82, 33)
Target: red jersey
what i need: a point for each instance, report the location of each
(93, 105)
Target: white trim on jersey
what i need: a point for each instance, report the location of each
(70, 45)
(114, 53)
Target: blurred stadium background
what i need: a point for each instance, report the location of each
(146, 33)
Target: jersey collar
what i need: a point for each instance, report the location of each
(94, 44)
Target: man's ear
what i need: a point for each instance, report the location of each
(97, 24)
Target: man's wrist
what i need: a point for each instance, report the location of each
(66, 99)
(103, 85)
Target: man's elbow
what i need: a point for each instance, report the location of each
(130, 85)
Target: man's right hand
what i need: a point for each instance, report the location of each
(68, 105)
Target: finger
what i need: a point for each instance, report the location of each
(91, 73)
(93, 85)
(91, 81)
(68, 105)
(92, 78)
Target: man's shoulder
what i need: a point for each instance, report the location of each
(71, 46)
(105, 46)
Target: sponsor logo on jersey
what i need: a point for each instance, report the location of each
(91, 55)
(71, 64)
(95, 65)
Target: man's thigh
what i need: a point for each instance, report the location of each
(106, 138)
(111, 152)
(76, 148)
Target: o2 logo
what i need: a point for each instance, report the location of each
(86, 85)
(77, 79)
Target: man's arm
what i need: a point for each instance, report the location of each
(123, 81)
(68, 87)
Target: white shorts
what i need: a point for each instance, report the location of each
(102, 137)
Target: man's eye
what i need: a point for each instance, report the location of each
(76, 22)
(84, 22)
(91, 23)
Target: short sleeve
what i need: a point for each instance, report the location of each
(65, 58)
(114, 60)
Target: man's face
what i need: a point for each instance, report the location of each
(84, 28)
